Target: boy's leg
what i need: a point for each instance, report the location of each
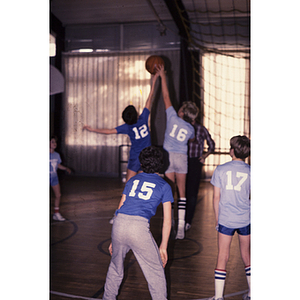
(57, 216)
(57, 194)
(224, 242)
(246, 257)
(148, 257)
(181, 181)
(192, 187)
(115, 271)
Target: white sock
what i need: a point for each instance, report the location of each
(248, 276)
(181, 209)
(220, 276)
(181, 218)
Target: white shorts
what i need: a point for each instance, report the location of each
(178, 163)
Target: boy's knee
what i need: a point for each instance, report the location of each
(57, 195)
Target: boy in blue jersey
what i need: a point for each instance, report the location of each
(137, 128)
(55, 163)
(231, 201)
(179, 132)
(141, 196)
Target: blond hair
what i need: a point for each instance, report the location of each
(190, 111)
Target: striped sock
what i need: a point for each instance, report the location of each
(181, 218)
(181, 208)
(248, 276)
(220, 276)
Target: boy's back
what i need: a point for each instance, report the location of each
(233, 178)
(177, 133)
(138, 133)
(144, 192)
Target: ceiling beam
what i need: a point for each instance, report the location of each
(176, 16)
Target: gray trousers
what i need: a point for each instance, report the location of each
(132, 232)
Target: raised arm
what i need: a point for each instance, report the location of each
(166, 229)
(164, 87)
(150, 97)
(104, 130)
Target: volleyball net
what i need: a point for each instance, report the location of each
(219, 42)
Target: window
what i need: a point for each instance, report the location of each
(226, 103)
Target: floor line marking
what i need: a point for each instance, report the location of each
(71, 296)
(86, 298)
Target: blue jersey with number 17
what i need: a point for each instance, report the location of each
(233, 178)
(144, 192)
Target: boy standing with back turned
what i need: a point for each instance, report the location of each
(231, 201)
(141, 196)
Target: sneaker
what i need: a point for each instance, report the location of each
(246, 297)
(213, 298)
(187, 226)
(58, 217)
(180, 233)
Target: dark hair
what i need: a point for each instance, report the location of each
(241, 146)
(130, 115)
(151, 159)
(54, 137)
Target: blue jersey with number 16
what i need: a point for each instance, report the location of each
(144, 192)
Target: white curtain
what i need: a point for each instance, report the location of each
(98, 88)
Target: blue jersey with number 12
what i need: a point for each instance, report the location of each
(144, 192)
(138, 133)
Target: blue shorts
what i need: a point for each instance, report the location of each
(178, 163)
(134, 164)
(53, 180)
(230, 231)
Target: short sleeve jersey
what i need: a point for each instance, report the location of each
(55, 160)
(138, 133)
(144, 192)
(178, 132)
(233, 178)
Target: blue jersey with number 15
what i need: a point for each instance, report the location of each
(144, 192)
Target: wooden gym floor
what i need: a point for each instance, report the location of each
(79, 255)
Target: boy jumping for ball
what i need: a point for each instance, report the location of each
(136, 127)
(177, 135)
(231, 201)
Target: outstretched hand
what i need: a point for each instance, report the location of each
(86, 127)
